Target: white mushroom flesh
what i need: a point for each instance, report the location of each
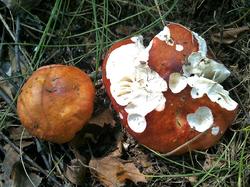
(202, 44)
(205, 67)
(204, 76)
(177, 82)
(179, 47)
(201, 120)
(200, 86)
(134, 84)
(137, 123)
(215, 130)
(165, 35)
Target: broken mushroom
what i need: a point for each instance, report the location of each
(169, 94)
(56, 102)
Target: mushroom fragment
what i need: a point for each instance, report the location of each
(195, 107)
(56, 102)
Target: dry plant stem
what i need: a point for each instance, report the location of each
(1, 43)
(29, 160)
(16, 44)
(240, 103)
(52, 56)
(21, 158)
(236, 21)
(39, 147)
(4, 75)
(7, 99)
(13, 38)
(66, 152)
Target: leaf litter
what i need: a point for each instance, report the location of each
(113, 171)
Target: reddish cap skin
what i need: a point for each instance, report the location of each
(164, 59)
(56, 102)
(168, 131)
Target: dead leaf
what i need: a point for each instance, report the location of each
(4, 84)
(14, 63)
(118, 151)
(75, 172)
(15, 133)
(13, 172)
(212, 161)
(143, 160)
(6, 88)
(21, 179)
(192, 179)
(11, 157)
(106, 117)
(112, 171)
(5, 181)
(229, 35)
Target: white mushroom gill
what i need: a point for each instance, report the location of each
(205, 67)
(201, 120)
(134, 84)
(200, 86)
(204, 75)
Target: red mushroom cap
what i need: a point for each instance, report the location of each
(56, 102)
(197, 109)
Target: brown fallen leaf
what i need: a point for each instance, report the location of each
(20, 178)
(75, 172)
(212, 161)
(229, 35)
(192, 179)
(106, 117)
(16, 132)
(6, 87)
(11, 157)
(112, 171)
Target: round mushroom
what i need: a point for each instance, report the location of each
(168, 94)
(56, 102)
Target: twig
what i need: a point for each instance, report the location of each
(40, 150)
(21, 158)
(240, 103)
(29, 160)
(13, 37)
(66, 152)
(4, 75)
(7, 27)
(17, 55)
(1, 43)
(7, 99)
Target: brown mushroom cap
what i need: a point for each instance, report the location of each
(168, 131)
(56, 102)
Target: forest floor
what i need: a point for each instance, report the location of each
(79, 33)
